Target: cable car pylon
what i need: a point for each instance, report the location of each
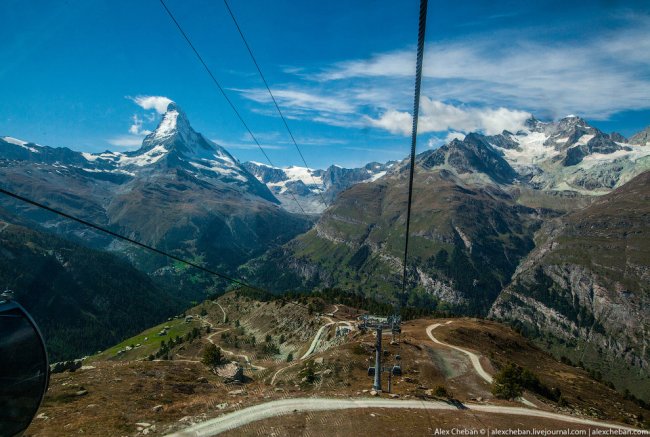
(394, 322)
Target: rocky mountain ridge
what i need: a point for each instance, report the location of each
(587, 283)
(178, 191)
(313, 187)
(482, 207)
(567, 155)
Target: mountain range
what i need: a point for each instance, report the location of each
(520, 226)
(314, 189)
(179, 192)
(482, 210)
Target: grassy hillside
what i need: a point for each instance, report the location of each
(465, 243)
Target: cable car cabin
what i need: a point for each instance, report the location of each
(397, 370)
(25, 371)
(371, 371)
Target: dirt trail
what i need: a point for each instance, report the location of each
(280, 407)
(219, 331)
(474, 358)
(313, 345)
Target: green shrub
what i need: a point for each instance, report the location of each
(441, 392)
(270, 349)
(308, 373)
(512, 380)
(212, 356)
(507, 383)
(358, 349)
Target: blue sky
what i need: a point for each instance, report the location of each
(342, 71)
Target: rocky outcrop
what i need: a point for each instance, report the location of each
(642, 138)
(615, 136)
(230, 372)
(571, 303)
(66, 366)
(474, 154)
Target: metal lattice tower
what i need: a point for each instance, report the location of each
(379, 323)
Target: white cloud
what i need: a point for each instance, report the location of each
(334, 109)
(435, 141)
(393, 121)
(483, 82)
(400, 63)
(345, 120)
(126, 141)
(320, 141)
(158, 103)
(282, 138)
(436, 116)
(136, 127)
(136, 131)
(595, 76)
(299, 100)
(454, 136)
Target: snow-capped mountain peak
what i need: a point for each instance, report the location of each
(570, 154)
(20, 143)
(175, 134)
(175, 143)
(173, 121)
(563, 155)
(174, 150)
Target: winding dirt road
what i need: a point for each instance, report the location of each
(313, 345)
(310, 351)
(285, 406)
(221, 330)
(314, 342)
(225, 317)
(475, 359)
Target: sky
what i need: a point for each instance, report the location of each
(94, 75)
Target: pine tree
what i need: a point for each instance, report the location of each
(212, 356)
